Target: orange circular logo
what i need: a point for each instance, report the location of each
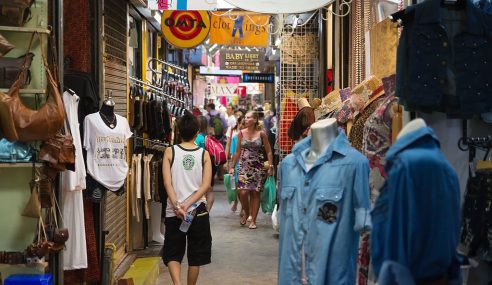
(185, 29)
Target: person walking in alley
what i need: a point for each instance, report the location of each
(187, 171)
(200, 141)
(252, 146)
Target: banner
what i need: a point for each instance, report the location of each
(241, 60)
(185, 29)
(239, 29)
(208, 5)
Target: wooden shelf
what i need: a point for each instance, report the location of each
(26, 91)
(25, 29)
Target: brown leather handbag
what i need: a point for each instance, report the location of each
(14, 12)
(18, 122)
(5, 46)
(10, 68)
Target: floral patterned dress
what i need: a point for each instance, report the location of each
(251, 173)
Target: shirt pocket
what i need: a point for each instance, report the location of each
(287, 204)
(328, 204)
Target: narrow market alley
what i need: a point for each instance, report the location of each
(239, 255)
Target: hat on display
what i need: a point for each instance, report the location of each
(315, 103)
(302, 121)
(302, 103)
(330, 103)
(363, 93)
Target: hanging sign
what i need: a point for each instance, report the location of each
(185, 29)
(239, 29)
(259, 78)
(241, 60)
(223, 89)
(208, 5)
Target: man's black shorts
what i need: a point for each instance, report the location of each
(199, 237)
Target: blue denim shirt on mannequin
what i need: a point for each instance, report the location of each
(444, 65)
(416, 218)
(322, 209)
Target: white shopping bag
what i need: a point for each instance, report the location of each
(275, 218)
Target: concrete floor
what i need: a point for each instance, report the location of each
(239, 255)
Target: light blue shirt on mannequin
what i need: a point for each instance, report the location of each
(322, 210)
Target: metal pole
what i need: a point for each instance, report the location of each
(322, 32)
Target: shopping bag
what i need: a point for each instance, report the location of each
(268, 195)
(231, 193)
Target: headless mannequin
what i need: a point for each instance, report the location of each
(323, 133)
(107, 113)
(411, 127)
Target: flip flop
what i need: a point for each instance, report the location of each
(252, 227)
(242, 221)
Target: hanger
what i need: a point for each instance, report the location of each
(69, 91)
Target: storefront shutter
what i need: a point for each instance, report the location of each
(115, 79)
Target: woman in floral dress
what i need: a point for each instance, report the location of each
(252, 145)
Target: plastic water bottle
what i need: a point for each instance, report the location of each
(233, 181)
(185, 224)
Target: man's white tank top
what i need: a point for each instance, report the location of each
(186, 174)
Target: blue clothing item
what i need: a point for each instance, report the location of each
(322, 209)
(393, 273)
(416, 218)
(442, 64)
(200, 140)
(485, 5)
(233, 147)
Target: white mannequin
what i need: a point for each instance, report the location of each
(323, 133)
(155, 219)
(411, 127)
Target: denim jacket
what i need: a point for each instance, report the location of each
(445, 65)
(322, 210)
(416, 218)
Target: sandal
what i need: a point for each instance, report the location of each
(252, 227)
(242, 222)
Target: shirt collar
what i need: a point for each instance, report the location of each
(340, 145)
(429, 12)
(407, 140)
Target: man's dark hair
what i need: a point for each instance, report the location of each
(188, 126)
(211, 106)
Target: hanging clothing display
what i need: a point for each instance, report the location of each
(318, 203)
(106, 155)
(72, 183)
(420, 199)
(443, 59)
(476, 232)
(384, 42)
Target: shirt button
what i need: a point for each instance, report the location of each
(445, 44)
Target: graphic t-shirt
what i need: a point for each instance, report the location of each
(106, 154)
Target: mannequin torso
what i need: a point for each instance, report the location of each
(107, 114)
(323, 133)
(411, 127)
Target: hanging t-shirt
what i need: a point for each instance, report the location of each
(106, 155)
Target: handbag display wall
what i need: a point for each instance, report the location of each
(12, 68)
(15, 12)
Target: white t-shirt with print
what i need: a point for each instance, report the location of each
(106, 154)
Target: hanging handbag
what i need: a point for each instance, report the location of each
(33, 206)
(45, 188)
(14, 152)
(12, 69)
(21, 123)
(5, 46)
(15, 12)
(41, 246)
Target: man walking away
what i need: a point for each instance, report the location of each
(187, 171)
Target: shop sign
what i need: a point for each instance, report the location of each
(223, 89)
(240, 29)
(216, 71)
(185, 29)
(183, 5)
(242, 60)
(259, 78)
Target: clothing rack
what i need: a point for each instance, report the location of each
(155, 89)
(153, 142)
(151, 60)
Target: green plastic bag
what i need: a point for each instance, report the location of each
(269, 195)
(231, 193)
